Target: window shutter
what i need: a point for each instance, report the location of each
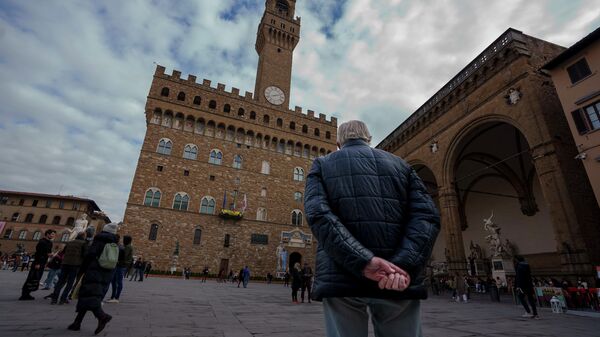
(579, 122)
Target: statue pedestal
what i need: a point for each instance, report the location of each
(280, 275)
(478, 268)
(502, 267)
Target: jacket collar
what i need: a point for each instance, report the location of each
(355, 142)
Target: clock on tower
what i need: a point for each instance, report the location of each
(277, 36)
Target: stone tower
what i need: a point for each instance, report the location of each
(277, 36)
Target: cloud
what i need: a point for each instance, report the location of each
(75, 75)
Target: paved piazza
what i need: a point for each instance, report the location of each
(175, 307)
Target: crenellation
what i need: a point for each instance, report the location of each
(206, 83)
(322, 117)
(160, 70)
(176, 74)
(220, 87)
(298, 109)
(248, 95)
(235, 91)
(334, 121)
(191, 78)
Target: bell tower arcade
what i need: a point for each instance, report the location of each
(277, 36)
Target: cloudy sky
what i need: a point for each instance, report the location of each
(74, 75)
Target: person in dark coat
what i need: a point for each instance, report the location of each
(376, 226)
(74, 253)
(296, 281)
(524, 287)
(43, 250)
(307, 274)
(95, 280)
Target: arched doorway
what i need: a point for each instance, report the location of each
(294, 257)
(494, 173)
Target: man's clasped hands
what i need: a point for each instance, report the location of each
(386, 274)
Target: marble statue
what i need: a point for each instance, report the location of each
(281, 258)
(80, 226)
(493, 239)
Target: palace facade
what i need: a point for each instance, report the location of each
(220, 177)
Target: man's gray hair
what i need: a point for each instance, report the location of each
(353, 130)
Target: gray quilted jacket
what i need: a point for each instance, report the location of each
(362, 202)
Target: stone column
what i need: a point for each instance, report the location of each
(567, 230)
(451, 229)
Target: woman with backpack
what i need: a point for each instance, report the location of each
(98, 267)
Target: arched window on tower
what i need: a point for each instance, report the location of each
(252, 115)
(197, 100)
(261, 214)
(181, 96)
(304, 128)
(266, 119)
(297, 217)
(317, 132)
(164, 92)
(164, 146)
(292, 126)
(212, 104)
(190, 151)
(216, 157)
(237, 161)
(152, 197)
(207, 205)
(241, 112)
(327, 134)
(298, 174)
(181, 201)
(227, 108)
(279, 122)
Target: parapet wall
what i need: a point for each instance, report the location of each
(248, 97)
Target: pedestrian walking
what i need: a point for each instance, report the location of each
(524, 287)
(296, 281)
(137, 265)
(240, 277)
(246, 276)
(98, 267)
(53, 270)
(376, 226)
(204, 274)
(116, 284)
(148, 268)
(74, 253)
(43, 250)
(307, 275)
(286, 279)
(25, 259)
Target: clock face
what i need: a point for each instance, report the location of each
(274, 95)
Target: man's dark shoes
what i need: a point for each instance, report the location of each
(26, 298)
(102, 323)
(74, 326)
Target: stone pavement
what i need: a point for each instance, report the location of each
(164, 307)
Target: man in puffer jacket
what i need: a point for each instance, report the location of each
(376, 225)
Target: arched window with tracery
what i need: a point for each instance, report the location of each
(266, 119)
(305, 128)
(43, 219)
(164, 92)
(152, 197)
(197, 100)
(36, 236)
(237, 161)
(216, 157)
(164, 146)
(181, 96)
(261, 214)
(297, 217)
(298, 174)
(226, 108)
(181, 200)
(190, 151)
(207, 205)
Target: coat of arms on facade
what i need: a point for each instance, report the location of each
(513, 96)
(296, 238)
